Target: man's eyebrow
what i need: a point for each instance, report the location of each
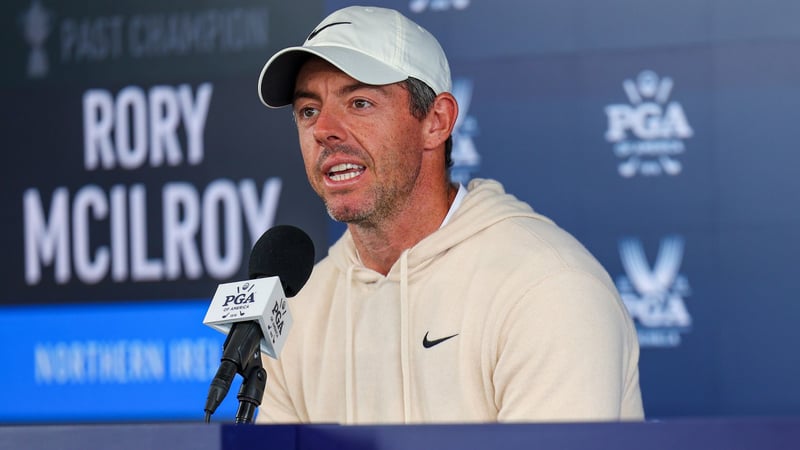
(344, 90)
(350, 88)
(305, 94)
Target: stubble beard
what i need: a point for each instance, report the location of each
(378, 208)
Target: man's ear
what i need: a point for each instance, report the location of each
(440, 120)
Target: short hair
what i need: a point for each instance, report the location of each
(422, 97)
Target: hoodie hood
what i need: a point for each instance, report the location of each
(486, 204)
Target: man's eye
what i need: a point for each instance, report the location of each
(361, 103)
(307, 113)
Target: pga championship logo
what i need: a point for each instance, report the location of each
(466, 159)
(648, 133)
(654, 294)
(237, 303)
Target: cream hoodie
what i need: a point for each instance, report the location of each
(536, 330)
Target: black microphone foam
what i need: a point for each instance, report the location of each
(284, 251)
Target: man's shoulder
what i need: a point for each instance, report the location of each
(532, 244)
(531, 231)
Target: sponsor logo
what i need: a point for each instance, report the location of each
(37, 23)
(419, 6)
(654, 294)
(466, 160)
(648, 134)
(430, 343)
(277, 320)
(244, 294)
(317, 31)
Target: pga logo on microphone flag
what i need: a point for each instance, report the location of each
(261, 300)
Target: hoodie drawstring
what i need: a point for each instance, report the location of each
(405, 336)
(349, 390)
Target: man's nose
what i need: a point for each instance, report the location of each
(329, 126)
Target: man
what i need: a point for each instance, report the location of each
(439, 303)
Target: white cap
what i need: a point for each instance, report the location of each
(373, 45)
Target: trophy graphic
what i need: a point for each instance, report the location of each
(36, 23)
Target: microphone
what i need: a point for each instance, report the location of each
(255, 315)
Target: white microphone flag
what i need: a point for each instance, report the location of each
(261, 300)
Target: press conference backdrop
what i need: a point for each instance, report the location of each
(139, 169)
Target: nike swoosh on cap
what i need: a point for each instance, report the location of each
(430, 343)
(316, 32)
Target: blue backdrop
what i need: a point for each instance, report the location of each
(139, 168)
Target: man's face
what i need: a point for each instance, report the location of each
(361, 146)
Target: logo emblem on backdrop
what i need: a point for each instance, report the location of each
(648, 133)
(418, 6)
(654, 294)
(36, 24)
(466, 160)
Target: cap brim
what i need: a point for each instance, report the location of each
(277, 79)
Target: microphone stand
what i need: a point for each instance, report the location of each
(241, 354)
(254, 381)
